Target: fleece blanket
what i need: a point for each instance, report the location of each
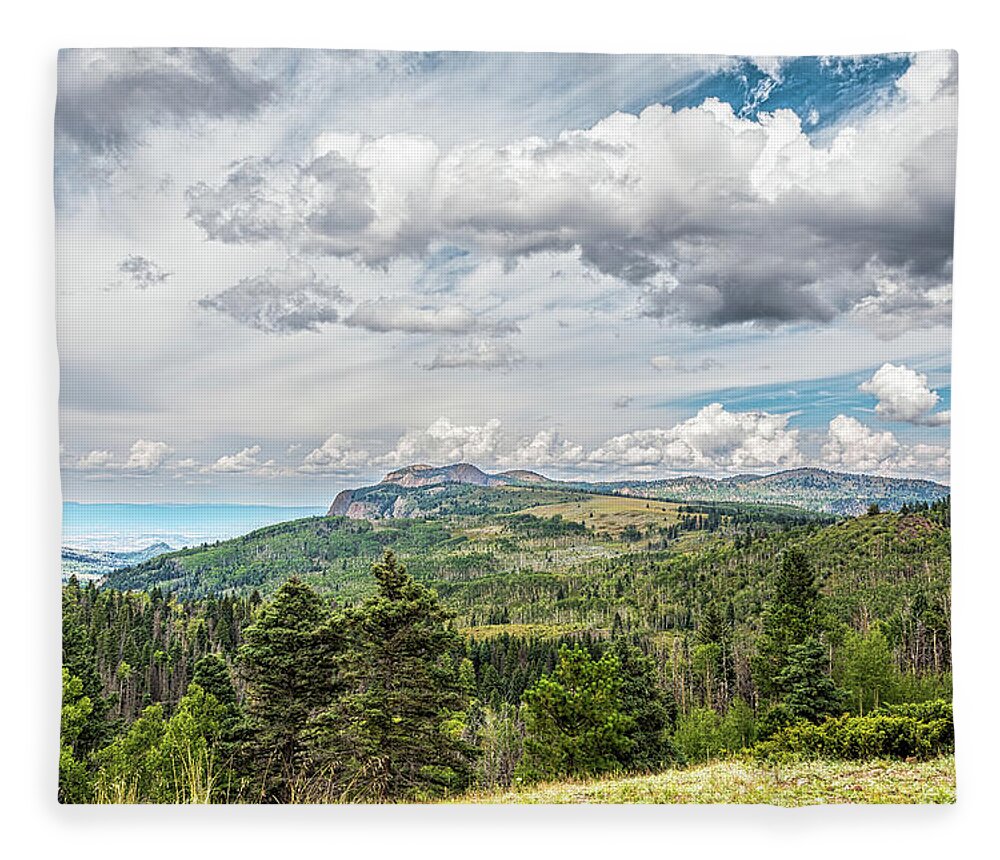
(505, 428)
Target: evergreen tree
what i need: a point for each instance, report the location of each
(212, 674)
(77, 708)
(651, 710)
(288, 662)
(387, 737)
(807, 691)
(574, 721)
(789, 618)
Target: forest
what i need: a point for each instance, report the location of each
(335, 660)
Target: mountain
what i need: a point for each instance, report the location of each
(427, 476)
(94, 564)
(389, 498)
(812, 489)
(421, 490)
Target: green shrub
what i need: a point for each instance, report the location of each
(920, 730)
(703, 734)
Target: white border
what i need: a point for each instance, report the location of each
(29, 648)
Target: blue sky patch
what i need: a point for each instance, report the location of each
(820, 90)
(815, 401)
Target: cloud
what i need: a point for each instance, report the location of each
(545, 448)
(394, 314)
(147, 456)
(481, 353)
(94, 461)
(108, 98)
(334, 456)
(281, 301)
(142, 273)
(903, 395)
(244, 461)
(720, 218)
(854, 447)
(714, 439)
(896, 306)
(444, 442)
(664, 363)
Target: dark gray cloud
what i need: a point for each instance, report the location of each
(286, 301)
(141, 272)
(108, 98)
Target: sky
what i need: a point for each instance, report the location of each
(281, 273)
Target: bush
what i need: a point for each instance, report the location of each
(702, 734)
(921, 730)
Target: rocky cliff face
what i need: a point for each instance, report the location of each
(341, 504)
(428, 476)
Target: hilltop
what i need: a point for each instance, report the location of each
(812, 489)
(94, 564)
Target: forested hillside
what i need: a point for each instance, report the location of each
(602, 638)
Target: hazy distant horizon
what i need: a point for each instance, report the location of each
(134, 526)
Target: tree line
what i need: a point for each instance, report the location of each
(295, 699)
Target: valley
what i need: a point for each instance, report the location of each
(689, 605)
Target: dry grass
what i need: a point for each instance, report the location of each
(800, 784)
(611, 513)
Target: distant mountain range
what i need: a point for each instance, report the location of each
(94, 564)
(416, 490)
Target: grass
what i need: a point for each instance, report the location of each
(610, 513)
(737, 781)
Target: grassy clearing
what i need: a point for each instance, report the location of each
(799, 784)
(610, 513)
(524, 631)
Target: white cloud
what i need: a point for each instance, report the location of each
(723, 218)
(903, 395)
(854, 447)
(443, 442)
(243, 461)
(482, 353)
(147, 456)
(95, 460)
(896, 305)
(335, 455)
(714, 439)
(385, 315)
(546, 448)
(668, 363)
(281, 301)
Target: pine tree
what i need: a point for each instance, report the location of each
(574, 721)
(386, 737)
(212, 674)
(807, 691)
(651, 709)
(288, 661)
(77, 708)
(789, 618)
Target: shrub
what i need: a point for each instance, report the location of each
(920, 730)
